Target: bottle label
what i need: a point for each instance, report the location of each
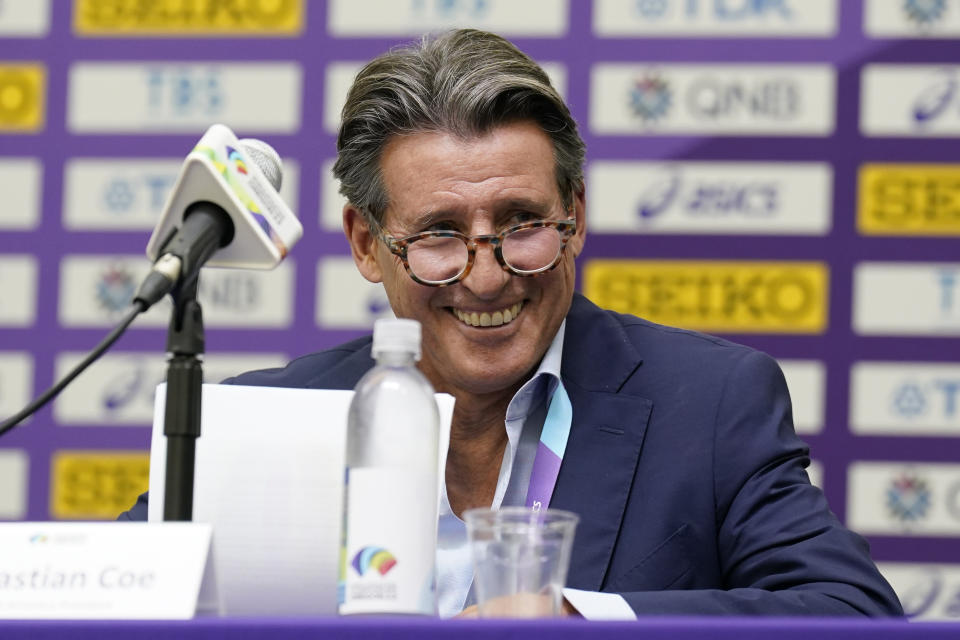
(389, 542)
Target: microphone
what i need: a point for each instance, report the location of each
(224, 210)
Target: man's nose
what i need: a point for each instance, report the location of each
(487, 278)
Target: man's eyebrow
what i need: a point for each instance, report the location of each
(526, 204)
(430, 216)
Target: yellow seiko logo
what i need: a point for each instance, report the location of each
(21, 97)
(197, 17)
(721, 296)
(909, 199)
(96, 484)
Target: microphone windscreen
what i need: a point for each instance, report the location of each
(264, 156)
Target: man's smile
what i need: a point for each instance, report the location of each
(488, 319)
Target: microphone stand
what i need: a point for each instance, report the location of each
(181, 425)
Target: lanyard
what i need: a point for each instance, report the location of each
(553, 442)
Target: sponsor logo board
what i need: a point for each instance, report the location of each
(927, 592)
(131, 193)
(911, 19)
(722, 296)
(20, 183)
(903, 498)
(178, 19)
(716, 99)
(732, 18)
(120, 388)
(96, 290)
(18, 282)
(345, 299)
(163, 97)
(806, 381)
(916, 100)
(905, 398)
(22, 87)
(14, 478)
(909, 199)
(24, 18)
(710, 197)
(539, 18)
(96, 485)
(906, 298)
(16, 382)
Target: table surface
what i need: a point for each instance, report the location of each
(650, 628)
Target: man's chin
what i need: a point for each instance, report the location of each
(487, 380)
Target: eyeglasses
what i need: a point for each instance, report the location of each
(441, 258)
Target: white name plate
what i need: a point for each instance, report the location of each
(108, 570)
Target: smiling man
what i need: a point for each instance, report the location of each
(492, 314)
(463, 169)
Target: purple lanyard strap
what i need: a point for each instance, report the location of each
(553, 442)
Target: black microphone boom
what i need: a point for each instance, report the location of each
(222, 210)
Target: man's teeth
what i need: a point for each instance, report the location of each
(485, 319)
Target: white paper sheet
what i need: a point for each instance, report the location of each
(269, 477)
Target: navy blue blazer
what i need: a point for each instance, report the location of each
(685, 469)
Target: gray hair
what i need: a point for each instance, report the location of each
(463, 82)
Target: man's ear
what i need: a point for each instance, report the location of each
(575, 244)
(363, 243)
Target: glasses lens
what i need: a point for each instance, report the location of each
(531, 250)
(436, 259)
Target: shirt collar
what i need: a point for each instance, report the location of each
(541, 384)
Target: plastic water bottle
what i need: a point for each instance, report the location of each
(387, 563)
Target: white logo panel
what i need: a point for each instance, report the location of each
(18, 282)
(718, 99)
(16, 382)
(911, 19)
(905, 398)
(14, 476)
(95, 291)
(906, 298)
(24, 17)
(340, 75)
(806, 381)
(20, 184)
(345, 299)
(131, 193)
(903, 499)
(710, 197)
(163, 97)
(539, 18)
(927, 592)
(119, 388)
(910, 100)
(670, 18)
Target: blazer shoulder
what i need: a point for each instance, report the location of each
(339, 367)
(651, 338)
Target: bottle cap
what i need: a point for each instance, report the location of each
(396, 334)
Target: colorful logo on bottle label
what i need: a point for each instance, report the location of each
(375, 558)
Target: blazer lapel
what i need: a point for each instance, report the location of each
(605, 438)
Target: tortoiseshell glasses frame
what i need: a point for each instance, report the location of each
(400, 246)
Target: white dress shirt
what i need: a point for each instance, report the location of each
(524, 422)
